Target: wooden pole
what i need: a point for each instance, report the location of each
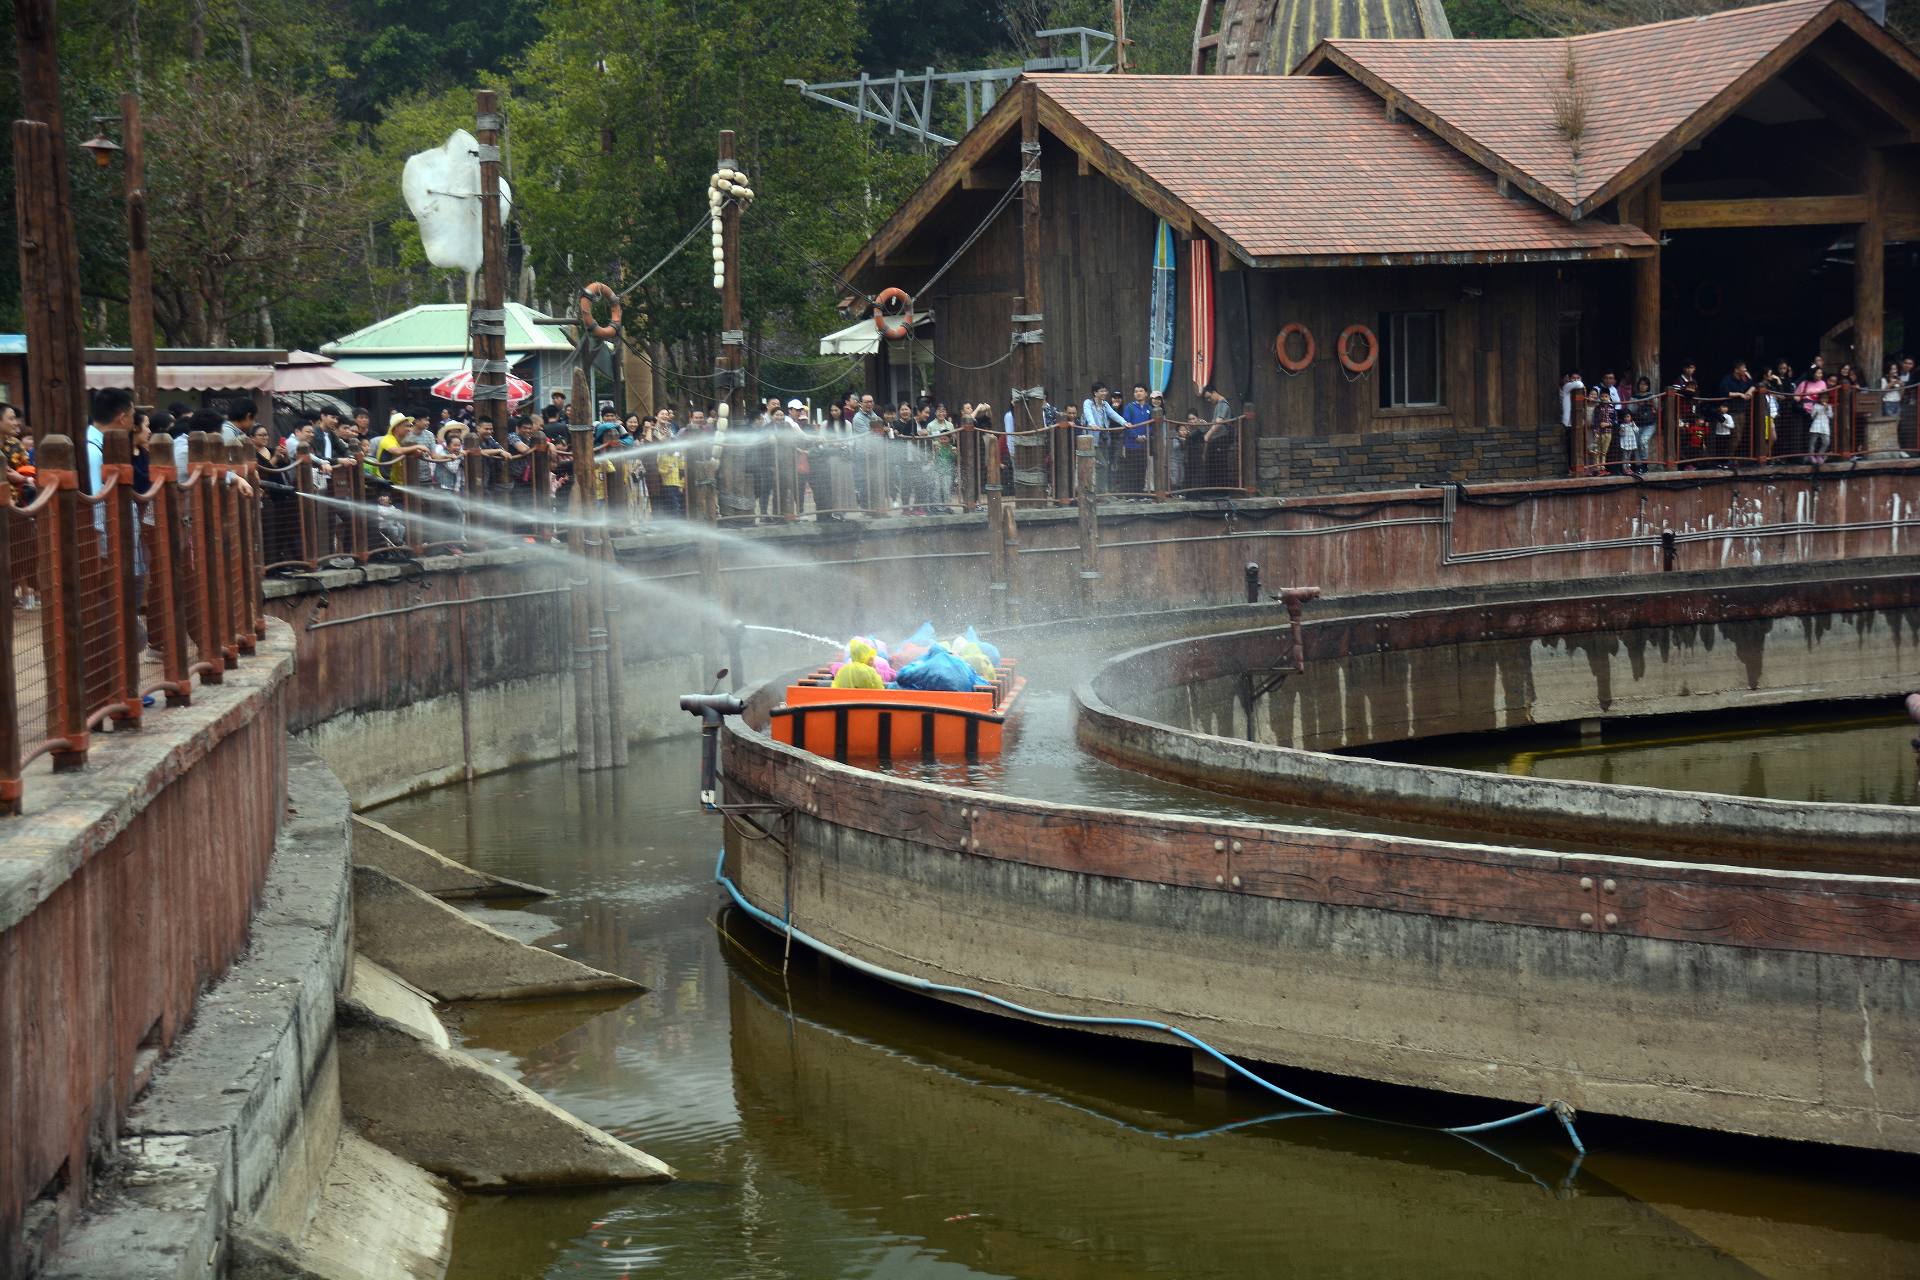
(489, 318)
(730, 385)
(1031, 394)
(60, 590)
(146, 370)
(579, 584)
(1870, 272)
(10, 790)
(122, 519)
(997, 557)
(1645, 323)
(43, 207)
(49, 281)
(1085, 462)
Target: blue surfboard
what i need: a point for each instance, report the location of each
(1160, 310)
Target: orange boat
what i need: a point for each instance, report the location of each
(885, 724)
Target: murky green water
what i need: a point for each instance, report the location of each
(826, 1129)
(1851, 753)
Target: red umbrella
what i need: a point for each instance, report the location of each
(459, 386)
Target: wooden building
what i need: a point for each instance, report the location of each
(1495, 212)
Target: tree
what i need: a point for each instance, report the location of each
(260, 203)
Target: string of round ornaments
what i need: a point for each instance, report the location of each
(725, 184)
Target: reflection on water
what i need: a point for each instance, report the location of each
(826, 1129)
(1840, 753)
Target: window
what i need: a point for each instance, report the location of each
(1410, 357)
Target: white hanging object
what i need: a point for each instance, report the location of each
(442, 189)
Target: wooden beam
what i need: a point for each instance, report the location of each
(1765, 211)
(1730, 99)
(1861, 77)
(945, 177)
(1648, 213)
(988, 177)
(1870, 271)
(1842, 103)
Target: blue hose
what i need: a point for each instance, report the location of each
(907, 980)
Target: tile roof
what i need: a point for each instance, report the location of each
(1309, 167)
(1642, 83)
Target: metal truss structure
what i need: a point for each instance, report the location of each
(904, 101)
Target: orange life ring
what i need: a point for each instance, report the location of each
(1347, 335)
(1287, 330)
(905, 314)
(588, 293)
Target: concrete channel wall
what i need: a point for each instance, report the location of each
(1704, 995)
(124, 890)
(1181, 710)
(418, 673)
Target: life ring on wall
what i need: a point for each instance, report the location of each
(1708, 298)
(1287, 362)
(903, 314)
(1347, 335)
(588, 292)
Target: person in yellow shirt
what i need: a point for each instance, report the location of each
(391, 449)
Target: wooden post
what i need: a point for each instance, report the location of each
(1162, 457)
(1030, 395)
(146, 371)
(703, 485)
(116, 482)
(253, 619)
(473, 484)
(1084, 463)
(997, 558)
(60, 599)
(489, 318)
(1645, 324)
(611, 611)
(206, 555)
(1870, 273)
(10, 789)
(579, 600)
(730, 366)
(49, 269)
(166, 596)
(541, 482)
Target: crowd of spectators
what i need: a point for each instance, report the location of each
(1777, 413)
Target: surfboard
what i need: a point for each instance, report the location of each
(1236, 319)
(1200, 308)
(1160, 310)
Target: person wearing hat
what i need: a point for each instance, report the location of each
(389, 455)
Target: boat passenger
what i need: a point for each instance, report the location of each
(859, 672)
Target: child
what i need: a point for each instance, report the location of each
(1600, 417)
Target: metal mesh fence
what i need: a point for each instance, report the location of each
(99, 649)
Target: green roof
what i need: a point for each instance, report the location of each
(440, 328)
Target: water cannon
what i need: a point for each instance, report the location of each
(712, 709)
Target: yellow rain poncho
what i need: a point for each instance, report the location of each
(859, 672)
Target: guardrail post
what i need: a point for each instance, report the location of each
(250, 623)
(10, 789)
(1089, 498)
(306, 524)
(540, 480)
(473, 486)
(969, 452)
(122, 514)
(997, 557)
(211, 590)
(60, 603)
(166, 607)
(1162, 457)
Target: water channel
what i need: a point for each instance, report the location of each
(825, 1128)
